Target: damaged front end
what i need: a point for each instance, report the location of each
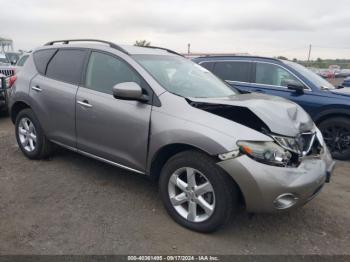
(284, 151)
(295, 135)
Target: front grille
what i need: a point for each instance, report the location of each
(7, 72)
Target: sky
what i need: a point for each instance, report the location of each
(259, 27)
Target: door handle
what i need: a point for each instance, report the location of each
(37, 88)
(84, 103)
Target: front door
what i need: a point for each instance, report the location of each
(273, 79)
(113, 129)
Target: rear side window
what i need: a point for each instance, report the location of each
(105, 71)
(234, 71)
(41, 58)
(208, 65)
(66, 65)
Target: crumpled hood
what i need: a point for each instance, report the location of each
(280, 115)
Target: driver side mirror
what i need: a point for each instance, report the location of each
(129, 91)
(295, 85)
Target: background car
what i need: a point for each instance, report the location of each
(346, 82)
(13, 57)
(20, 62)
(329, 107)
(344, 73)
(5, 66)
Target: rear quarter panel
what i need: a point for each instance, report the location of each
(20, 89)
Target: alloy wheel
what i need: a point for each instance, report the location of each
(337, 138)
(191, 194)
(27, 134)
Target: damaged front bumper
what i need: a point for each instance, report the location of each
(268, 188)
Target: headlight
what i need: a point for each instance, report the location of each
(265, 152)
(289, 143)
(301, 144)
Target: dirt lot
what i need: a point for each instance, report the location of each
(74, 205)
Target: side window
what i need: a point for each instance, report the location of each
(234, 71)
(22, 60)
(270, 74)
(41, 58)
(105, 71)
(66, 65)
(208, 65)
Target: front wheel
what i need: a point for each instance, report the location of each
(336, 133)
(196, 193)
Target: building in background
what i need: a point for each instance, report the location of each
(6, 45)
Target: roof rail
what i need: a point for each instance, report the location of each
(237, 56)
(65, 42)
(162, 48)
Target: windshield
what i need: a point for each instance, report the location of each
(183, 77)
(12, 57)
(3, 59)
(313, 77)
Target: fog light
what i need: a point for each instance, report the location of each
(285, 201)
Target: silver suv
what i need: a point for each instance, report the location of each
(151, 111)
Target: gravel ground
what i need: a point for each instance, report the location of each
(71, 204)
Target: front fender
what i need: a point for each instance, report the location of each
(179, 131)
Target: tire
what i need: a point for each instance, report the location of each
(4, 111)
(42, 146)
(336, 133)
(224, 197)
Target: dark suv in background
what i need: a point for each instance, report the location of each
(329, 107)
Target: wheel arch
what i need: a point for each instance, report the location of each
(17, 107)
(167, 151)
(331, 113)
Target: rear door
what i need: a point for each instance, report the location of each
(109, 128)
(54, 89)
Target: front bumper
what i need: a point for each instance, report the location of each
(262, 184)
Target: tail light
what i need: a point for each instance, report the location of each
(12, 80)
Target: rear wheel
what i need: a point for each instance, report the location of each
(196, 192)
(30, 136)
(336, 133)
